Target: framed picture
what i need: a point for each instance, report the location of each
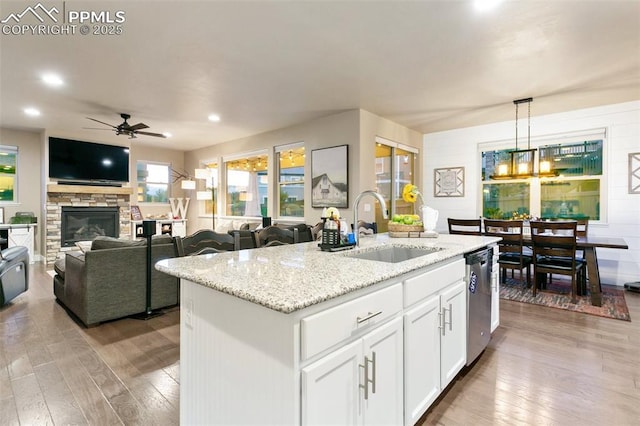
(330, 177)
(634, 173)
(135, 213)
(448, 182)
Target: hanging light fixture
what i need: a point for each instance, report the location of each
(520, 162)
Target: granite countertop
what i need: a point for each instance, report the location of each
(288, 278)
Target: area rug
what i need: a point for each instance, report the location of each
(558, 295)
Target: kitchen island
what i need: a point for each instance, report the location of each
(293, 335)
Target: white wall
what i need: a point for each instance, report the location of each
(356, 128)
(622, 123)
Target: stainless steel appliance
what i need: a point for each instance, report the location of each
(478, 301)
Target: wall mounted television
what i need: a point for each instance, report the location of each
(86, 162)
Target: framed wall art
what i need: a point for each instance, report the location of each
(136, 214)
(634, 173)
(330, 177)
(448, 182)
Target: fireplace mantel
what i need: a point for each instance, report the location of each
(88, 189)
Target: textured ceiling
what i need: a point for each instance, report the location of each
(429, 65)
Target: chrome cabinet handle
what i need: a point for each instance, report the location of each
(373, 371)
(444, 310)
(367, 380)
(365, 386)
(370, 315)
(440, 326)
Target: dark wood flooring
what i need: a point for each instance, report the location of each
(542, 366)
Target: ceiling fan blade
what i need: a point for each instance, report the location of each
(97, 128)
(102, 122)
(158, 135)
(138, 126)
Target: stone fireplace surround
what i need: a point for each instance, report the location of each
(81, 196)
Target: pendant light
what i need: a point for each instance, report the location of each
(522, 160)
(519, 162)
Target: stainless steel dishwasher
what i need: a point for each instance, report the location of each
(478, 301)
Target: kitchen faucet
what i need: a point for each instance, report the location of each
(383, 207)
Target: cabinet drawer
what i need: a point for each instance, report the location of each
(326, 328)
(423, 285)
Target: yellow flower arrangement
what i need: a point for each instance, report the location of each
(410, 193)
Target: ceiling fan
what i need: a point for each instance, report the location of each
(126, 129)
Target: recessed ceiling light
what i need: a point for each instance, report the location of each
(214, 117)
(167, 134)
(31, 112)
(482, 5)
(52, 80)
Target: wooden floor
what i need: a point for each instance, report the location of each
(542, 366)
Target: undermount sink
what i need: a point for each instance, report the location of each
(394, 254)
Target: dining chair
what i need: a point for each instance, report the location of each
(511, 255)
(274, 236)
(554, 252)
(366, 227)
(582, 230)
(243, 238)
(465, 226)
(202, 242)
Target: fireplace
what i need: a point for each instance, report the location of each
(86, 223)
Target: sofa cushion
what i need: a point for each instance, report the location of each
(58, 267)
(100, 243)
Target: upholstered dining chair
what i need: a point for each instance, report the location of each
(202, 242)
(554, 252)
(511, 255)
(465, 226)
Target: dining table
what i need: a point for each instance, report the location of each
(589, 244)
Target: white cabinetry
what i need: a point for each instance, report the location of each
(435, 332)
(172, 227)
(380, 355)
(495, 291)
(21, 235)
(358, 384)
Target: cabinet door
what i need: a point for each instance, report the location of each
(453, 354)
(495, 298)
(383, 351)
(421, 358)
(22, 237)
(330, 388)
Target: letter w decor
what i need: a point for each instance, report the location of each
(179, 207)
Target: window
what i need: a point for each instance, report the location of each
(290, 161)
(394, 167)
(568, 183)
(247, 185)
(8, 181)
(153, 182)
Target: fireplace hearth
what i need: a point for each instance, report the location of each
(87, 223)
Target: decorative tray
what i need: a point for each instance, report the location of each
(413, 234)
(333, 247)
